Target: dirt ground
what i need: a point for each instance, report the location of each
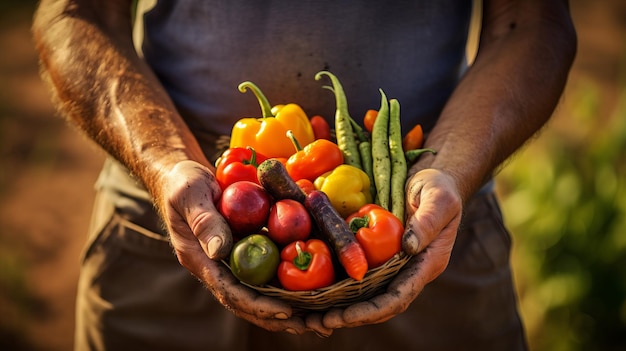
(47, 171)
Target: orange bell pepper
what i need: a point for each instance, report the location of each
(267, 135)
(313, 160)
(378, 231)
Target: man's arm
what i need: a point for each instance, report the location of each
(107, 90)
(526, 50)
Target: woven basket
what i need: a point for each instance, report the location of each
(342, 293)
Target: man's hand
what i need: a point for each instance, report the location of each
(434, 208)
(201, 238)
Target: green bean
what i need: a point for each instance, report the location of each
(365, 151)
(398, 162)
(380, 153)
(343, 129)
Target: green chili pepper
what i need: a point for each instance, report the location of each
(398, 161)
(380, 153)
(343, 128)
(365, 151)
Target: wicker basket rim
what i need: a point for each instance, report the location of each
(392, 266)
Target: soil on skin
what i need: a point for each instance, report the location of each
(47, 172)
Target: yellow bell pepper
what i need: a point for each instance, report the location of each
(268, 135)
(347, 188)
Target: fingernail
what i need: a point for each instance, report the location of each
(410, 243)
(322, 335)
(214, 245)
(291, 331)
(281, 315)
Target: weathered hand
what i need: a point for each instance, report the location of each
(434, 208)
(201, 238)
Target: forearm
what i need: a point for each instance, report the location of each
(104, 88)
(507, 95)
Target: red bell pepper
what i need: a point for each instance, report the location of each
(313, 160)
(306, 266)
(378, 231)
(237, 164)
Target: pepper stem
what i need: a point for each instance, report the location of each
(252, 161)
(412, 155)
(303, 260)
(357, 223)
(266, 108)
(293, 139)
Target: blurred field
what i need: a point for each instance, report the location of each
(47, 173)
(564, 198)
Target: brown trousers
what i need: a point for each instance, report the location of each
(134, 295)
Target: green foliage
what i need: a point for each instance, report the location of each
(564, 199)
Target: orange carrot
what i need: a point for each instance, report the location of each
(352, 258)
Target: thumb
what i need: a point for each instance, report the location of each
(210, 228)
(191, 213)
(433, 206)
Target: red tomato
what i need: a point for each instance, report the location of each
(369, 118)
(245, 206)
(321, 128)
(288, 221)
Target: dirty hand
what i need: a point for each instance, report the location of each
(201, 238)
(434, 208)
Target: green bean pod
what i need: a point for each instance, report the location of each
(398, 161)
(343, 128)
(381, 161)
(365, 151)
(365, 148)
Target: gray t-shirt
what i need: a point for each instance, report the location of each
(202, 50)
